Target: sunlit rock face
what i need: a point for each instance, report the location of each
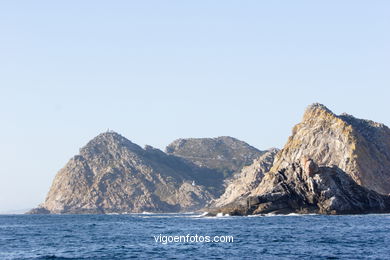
(330, 165)
(359, 147)
(112, 174)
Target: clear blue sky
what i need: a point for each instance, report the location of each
(156, 71)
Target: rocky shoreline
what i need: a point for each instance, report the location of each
(305, 188)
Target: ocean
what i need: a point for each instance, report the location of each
(152, 236)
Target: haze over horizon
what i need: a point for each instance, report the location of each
(155, 72)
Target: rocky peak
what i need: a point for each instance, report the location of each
(359, 147)
(112, 174)
(317, 108)
(109, 142)
(224, 154)
(330, 165)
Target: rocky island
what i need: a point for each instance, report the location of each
(331, 164)
(113, 175)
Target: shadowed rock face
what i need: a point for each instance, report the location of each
(243, 182)
(112, 174)
(302, 189)
(224, 154)
(359, 147)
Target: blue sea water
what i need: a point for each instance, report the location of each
(132, 236)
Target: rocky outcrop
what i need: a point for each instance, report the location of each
(112, 174)
(330, 165)
(361, 148)
(242, 183)
(303, 187)
(224, 154)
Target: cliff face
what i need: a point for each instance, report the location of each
(303, 187)
(224, 154)
(330, 165)
(112, 174)
(242, 183)
(359, 147)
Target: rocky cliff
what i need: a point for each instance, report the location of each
(111, 174)
(224, 154)
(303, 187)
(361, 148)
(330, 165)
(242, 183)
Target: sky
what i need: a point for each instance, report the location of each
(155, 71)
